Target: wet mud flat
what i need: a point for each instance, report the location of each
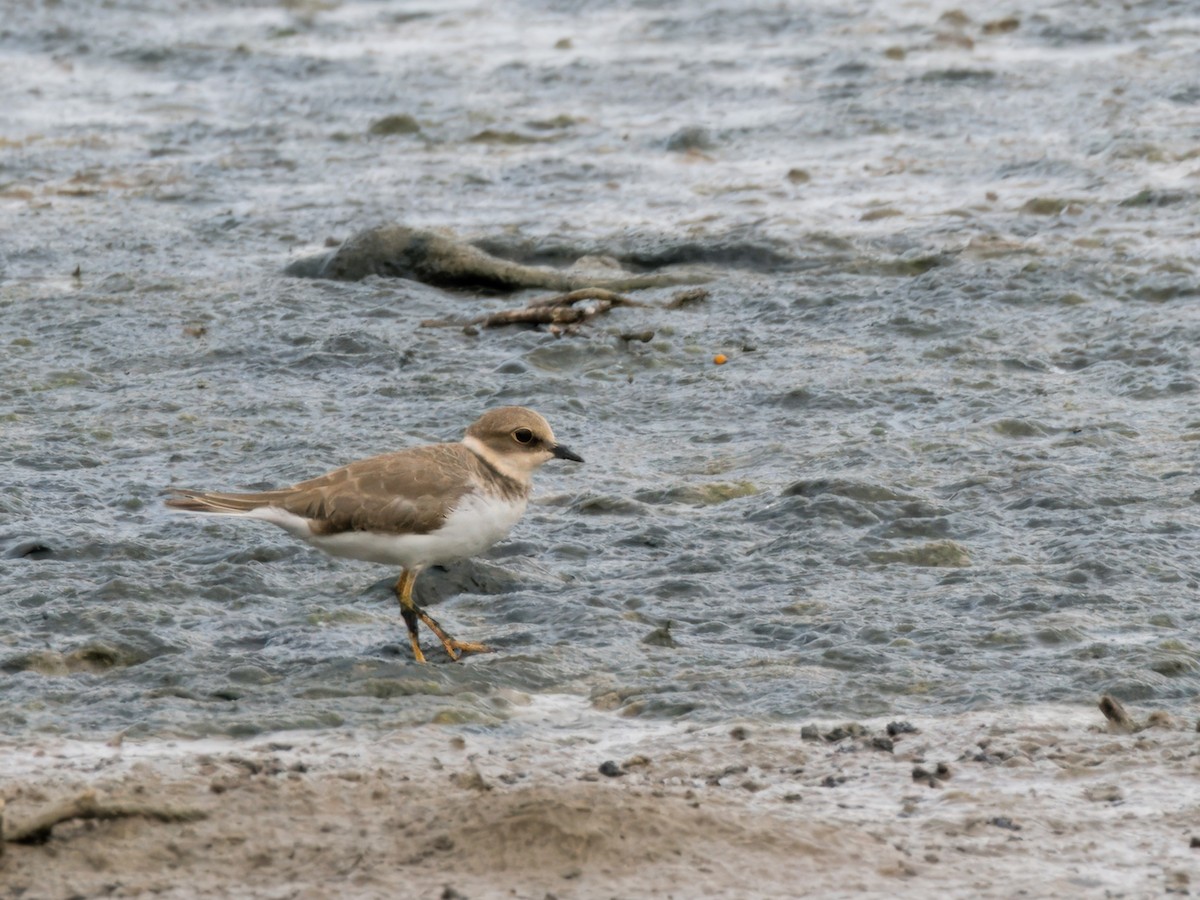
(948, 464)
(1044, 802)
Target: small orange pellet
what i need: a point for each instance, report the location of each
(720, 359)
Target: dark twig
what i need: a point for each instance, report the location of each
(88, 806)
(563, 313)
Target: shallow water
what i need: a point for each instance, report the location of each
(949, 464)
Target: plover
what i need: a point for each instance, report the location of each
(413, 508)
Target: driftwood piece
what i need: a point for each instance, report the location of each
(592, 293)
(439, 258)
(563, 313)
(543, 315)
(1116, 715)
(37, 828)
(683, 298)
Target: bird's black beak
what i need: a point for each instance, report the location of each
(562, 452)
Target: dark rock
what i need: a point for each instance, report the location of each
(935, 778)
(32, 549)
(610, 769)
(841, 732)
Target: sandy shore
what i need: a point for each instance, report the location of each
(1045, 802)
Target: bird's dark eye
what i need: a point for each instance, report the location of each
(523, 436)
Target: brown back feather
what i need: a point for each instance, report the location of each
(411, 491)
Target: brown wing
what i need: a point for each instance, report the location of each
(409, 491)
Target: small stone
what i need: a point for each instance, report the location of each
(896, 728)
(1002, 26)
(1104, 793)
(689, 139)
(661, 636)
(643, 337)
(841, 732)
(610, 769)
(1160, 719)
(739, 733)
(934, 779)
(389, 125)
(1046, 206)
(812, 733)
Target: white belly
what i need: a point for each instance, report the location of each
(476, 524)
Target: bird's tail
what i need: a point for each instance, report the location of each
(217, 503)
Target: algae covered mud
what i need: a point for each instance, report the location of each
(949, 463)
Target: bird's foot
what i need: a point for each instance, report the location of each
(416, 649)
(456, 648)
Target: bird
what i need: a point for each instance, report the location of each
(411, 508)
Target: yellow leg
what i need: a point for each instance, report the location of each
(409, 611)
(412, 613)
